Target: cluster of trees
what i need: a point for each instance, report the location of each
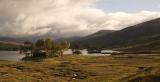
(44, 48)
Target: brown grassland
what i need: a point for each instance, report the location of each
(74, 68)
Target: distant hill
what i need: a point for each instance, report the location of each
(70, 39)
(8, 43)
(11, 46)
(140, 32)
(99, 33)
(9, 39)
(77, 38)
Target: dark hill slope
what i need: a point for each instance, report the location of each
(99, 33)
(119, 38)
(143, 44)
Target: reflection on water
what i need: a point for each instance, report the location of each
(11, 55)
(85, 53)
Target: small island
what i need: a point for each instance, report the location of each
(43, 49)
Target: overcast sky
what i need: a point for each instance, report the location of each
(20, 18)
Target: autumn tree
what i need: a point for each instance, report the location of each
(40, 44)
(63, 46)
(47, 47)
(49, 43)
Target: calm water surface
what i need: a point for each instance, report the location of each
(11, 55)
(85, 53)
(16, 56)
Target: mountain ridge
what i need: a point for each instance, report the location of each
(122, 37)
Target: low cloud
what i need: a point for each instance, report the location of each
(64, 18)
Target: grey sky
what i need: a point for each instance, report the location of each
(67, 18)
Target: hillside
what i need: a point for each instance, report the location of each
(9, 39)
(70, 39)
(123, 37)
(77, 38)
(144, 44)
(9, 46)
(99, 33)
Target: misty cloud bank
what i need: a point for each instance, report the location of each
(62, 18)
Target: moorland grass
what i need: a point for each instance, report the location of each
(74, 68)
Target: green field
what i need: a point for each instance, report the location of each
(74, 68)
